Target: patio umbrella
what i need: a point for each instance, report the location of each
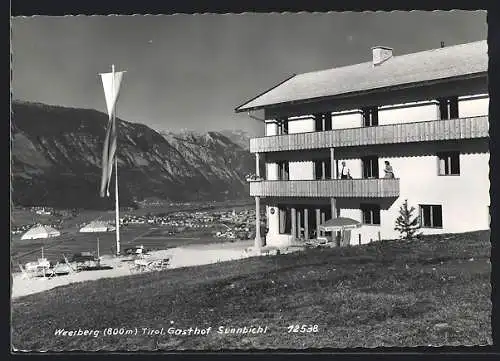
(45, 234)
(340, 224)
(40, 232)
(97, 226)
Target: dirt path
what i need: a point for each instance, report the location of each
(179, 257)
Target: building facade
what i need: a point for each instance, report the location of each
(425, 113)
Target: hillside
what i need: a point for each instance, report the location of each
(56, 157)
(434, 291)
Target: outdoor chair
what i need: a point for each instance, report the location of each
(25, 273)
(160, 265)
(70, 267)
(49, 272)
(144, 265)
(61, 268)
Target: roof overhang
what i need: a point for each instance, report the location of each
(422, 84)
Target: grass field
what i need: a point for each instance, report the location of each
(434, 291)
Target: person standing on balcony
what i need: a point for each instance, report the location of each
(389, 173)
(345, 172)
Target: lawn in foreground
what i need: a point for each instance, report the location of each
(434, 291)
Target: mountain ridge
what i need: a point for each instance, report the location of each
(56, 157)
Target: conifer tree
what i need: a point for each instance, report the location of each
(407, 224)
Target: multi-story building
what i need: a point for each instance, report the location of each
(426, 113)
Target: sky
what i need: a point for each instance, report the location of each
(189, 72)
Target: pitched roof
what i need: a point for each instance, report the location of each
(429, 65)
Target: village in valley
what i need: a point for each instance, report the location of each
(230, 224)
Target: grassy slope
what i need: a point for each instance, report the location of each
(387, 294)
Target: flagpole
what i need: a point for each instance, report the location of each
(117, 206)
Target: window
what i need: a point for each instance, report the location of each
(283, 170)
(449, 163)
(322, 169)
(448, 108)
(370, 167)
(323, 122)
(282, 126)
(370, 116)
(371, 214)
(431, 216)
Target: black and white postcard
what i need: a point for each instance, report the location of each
(250, 181)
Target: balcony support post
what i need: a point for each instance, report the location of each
(306, 224)
(258, 239)
(257, 164)
(333, 167)
(294, 223)
(299, 224)
(318, 222)
(333, 204)
(323, 220)
(335, 214)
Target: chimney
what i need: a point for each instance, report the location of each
(381, 54)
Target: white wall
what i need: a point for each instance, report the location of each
(297, 171)
(271, 128)
(368, 233)
(273, 237)
(472, 107)
(301, 170)
(300, 125)
(408, 113)
(469, 106)
(271, 171)
(345, 120)
(464, 198)
(272, 219)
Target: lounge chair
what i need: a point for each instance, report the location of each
(145, 265)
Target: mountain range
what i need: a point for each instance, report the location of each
(56, 160)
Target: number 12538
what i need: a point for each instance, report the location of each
(302, 328)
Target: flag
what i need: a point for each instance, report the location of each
(111, 83)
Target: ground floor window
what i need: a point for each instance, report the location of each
(431, 216)
(370, 214)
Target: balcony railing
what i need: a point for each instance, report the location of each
(362, 188)
(436, 130)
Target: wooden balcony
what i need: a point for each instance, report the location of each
(436, 130)
(358, 188)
